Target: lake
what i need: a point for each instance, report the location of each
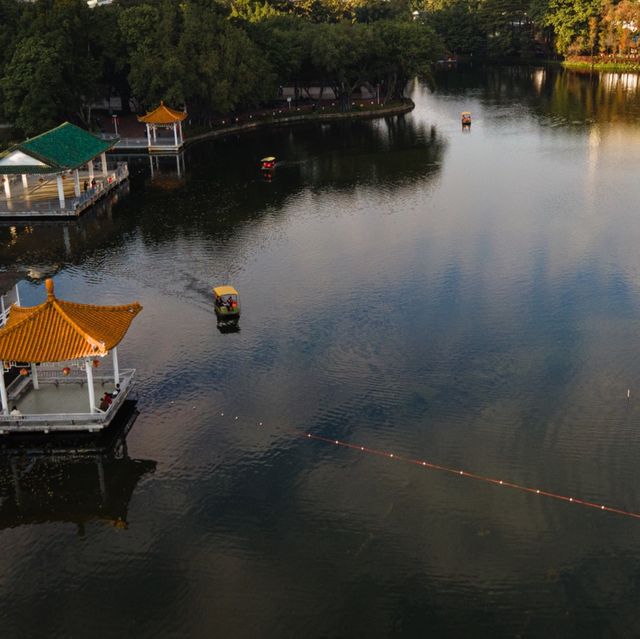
(466, 298)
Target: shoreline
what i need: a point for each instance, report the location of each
(586, 65)
(364, 114)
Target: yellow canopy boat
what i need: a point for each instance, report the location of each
(227, 304)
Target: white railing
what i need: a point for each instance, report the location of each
(114, 176)
(6, 301)
(126, 382)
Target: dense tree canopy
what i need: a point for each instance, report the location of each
(217, 56)
(214, 56)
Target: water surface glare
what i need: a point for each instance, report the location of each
(467, 298)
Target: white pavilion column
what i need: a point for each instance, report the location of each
(175, 133)
(17, 295)
(180, 130)
(148, 134)
(76, 183)
(7, 186)
(34, 376)
(116, 368)
(25, 182)
(3, 391)
(88, 365)
(90, 168)
(60, 190)
(155, 132)
(103, 159)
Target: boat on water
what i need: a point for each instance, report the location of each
(268, 163)
(226, 303)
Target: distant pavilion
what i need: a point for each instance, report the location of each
(55, 347)
(164, 117)
(52, 157)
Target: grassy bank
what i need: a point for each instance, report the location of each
(603, 64)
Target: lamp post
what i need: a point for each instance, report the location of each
(115, 122)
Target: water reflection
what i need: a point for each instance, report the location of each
(43, 248)
(167, 171)
(216, 188)
(467, 298)
(71, 479)
(554, 94)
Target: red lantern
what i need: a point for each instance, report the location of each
(24, 372)
(96, 363)
(66, 370)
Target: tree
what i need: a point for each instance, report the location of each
(343, 54)
(404, 50)
(570, 22)
(35, 96)
(151, 33)
(225, 69)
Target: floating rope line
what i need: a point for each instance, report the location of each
(464, 473)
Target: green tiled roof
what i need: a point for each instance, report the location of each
(61, 149)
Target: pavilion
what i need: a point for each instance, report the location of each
(163, 117)
(56, 346)
(51, 158)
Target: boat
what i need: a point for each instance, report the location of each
(268, 163)
(226, 304)
(466, 118)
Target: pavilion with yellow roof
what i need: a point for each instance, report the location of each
(163, 117)
(55, 348)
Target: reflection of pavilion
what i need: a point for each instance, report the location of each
(166, 171)
(55, 346)
(73, 481)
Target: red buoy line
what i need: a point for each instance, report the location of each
(464, 473)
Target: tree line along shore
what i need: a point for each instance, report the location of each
(61, 57)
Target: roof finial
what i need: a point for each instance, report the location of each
(49, 284)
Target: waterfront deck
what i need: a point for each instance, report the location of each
(61, 403)
(162, 144)
(39, 199)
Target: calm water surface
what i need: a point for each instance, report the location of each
(468, 298)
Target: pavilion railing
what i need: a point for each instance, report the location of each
(115, 175)
(126, 382)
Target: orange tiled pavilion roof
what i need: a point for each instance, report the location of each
(57, 330)
(162, 115)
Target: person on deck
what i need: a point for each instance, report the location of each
(106, 402)
(15, 412)
(116, 391)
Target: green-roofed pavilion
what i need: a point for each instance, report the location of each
(64, 148)
(58, 153)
